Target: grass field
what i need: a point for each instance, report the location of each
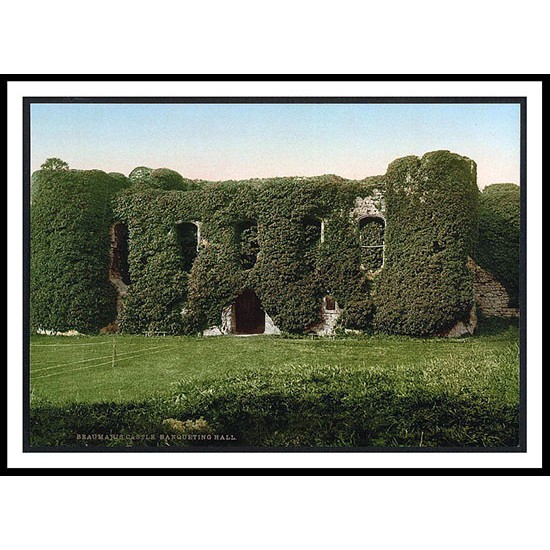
(280, 391)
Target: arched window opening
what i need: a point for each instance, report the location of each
(371, 239)
(249, 246)
(119, 269)
(188, 240)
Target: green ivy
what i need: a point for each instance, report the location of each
(372, 242)
(70, 219)
(161, 178)
(422, 288)
(249, 246)
(278, 253)
(425, 285)
(499, 231)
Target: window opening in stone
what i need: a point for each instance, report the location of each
(188, 240)
(313, 236)
(330, 303)
(371, 238)
(312, 232)
(247, 237)
(248, 315)
(119, 268)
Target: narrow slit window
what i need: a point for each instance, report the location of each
(312, 232)
(119, 268)
(371, 239)
(313, 236)
(247, 237)
(188, 239)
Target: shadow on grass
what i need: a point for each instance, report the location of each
(331, 407)
(495, 326)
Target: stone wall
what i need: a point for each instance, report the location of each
(491, 297)
(369, 207)
(329, 321)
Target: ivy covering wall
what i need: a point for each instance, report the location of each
(498, 249)
(425, 285)
(70, 219)
(372, 243)
(262, 235)
(259, 235)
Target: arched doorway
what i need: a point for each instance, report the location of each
(248, 314)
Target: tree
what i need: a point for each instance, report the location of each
(54, 164)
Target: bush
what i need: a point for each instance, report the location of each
(160, 178)
(358, 315)
(489, 326)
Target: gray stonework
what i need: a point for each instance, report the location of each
(490, 295)
(121, 291)
(57, 333)
(491, 301)
(461, 328)
(329, 321)
(270, 327)
(369, 207)
(227, 320)
(212, 331)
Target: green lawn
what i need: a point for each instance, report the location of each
(356, 391)
(79, 369)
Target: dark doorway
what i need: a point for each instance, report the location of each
(248, 314)
(119, 269)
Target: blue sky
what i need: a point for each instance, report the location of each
(218, 142)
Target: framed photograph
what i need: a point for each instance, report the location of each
(316, 275)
